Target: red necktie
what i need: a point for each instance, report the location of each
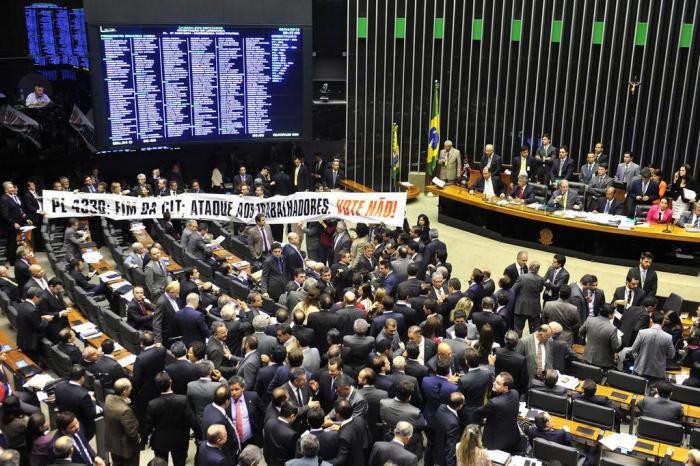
(239, 420)
(522, 193)
(143, 308)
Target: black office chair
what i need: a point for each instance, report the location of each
(12, 316)
(138, 277)
(60, 362)
(593, 414)
(660, 431)
(686, 394)
(554, 404)
(544, 450)
(111, 323)
(640, 213)
(540, 192)
(628, 382)
(222, 282)
(674, 302)
(694, 440)
(583, 371)
(129, 337)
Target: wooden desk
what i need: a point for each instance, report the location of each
(355, 186)
(96, 342)
(575, 428)
(624, 398)
(537, 228)
(412, 190)
(639, 451)
(679, 453)
(143, 237)
(14, 356)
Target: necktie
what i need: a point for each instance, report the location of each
(143, 308)
(564, 199)
(335, 175)
(239, 420)
(561, 166)
(697, 222)
(10, 281)
(629, 296)
(607, 207)
(644, 277)
(300, 399)
(161, 266)
(522, 193)
(81, 446)
(16, 199)
(538, 359)
(266, 245)
(281, 265)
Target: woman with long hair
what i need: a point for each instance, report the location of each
(470, 450)
(309, 304)
(366, 297)
(682, 179)
(38, 440)
(661, 212)
(423, 223)
(673, 326)
(485, 343)
(432, 329)
(358, 244)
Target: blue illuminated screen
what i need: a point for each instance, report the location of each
(56, 35)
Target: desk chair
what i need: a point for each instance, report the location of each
(686, 394)
(554, 404)
(595, 415)
(694, 441)
(583, 371)
(660, 431)
(628, 382)
(544, 450)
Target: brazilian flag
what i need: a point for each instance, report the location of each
(395, 154)
(434, 133)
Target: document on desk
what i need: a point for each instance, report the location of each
(85, 329)
(109, 276)
(92, 257)
(623, 441)
(568, 382)
(127, 360)
(689, 194)
(499, 456)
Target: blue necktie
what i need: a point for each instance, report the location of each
(281, 265)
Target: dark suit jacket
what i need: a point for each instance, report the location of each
(263, 379)
(360, 347)
(512, 272)
(78, 457)
(12, 291)
(328, 178)
(497, 323)
(302, 179)
(239, 180)
(51, 306)
(528, 193)
(616, 207)
(192, 325)
(148, 363)
(328, 443)
(181, 372)
(168, 422)
(633, 320)
(30, 327)
(77, 399)
(495, 164)
(106, 369)
(210, 456)
(651, 281)
(280, 442)
(410, 286)
(136, 318)
(636, 190)
(164, 326)
(353, 443)
(530, 163)
(447, 432)
(22, 274)
(393, 452)
(661, 408)
(273, 280)
(562, 278)
(211, 416)
(11, 213)
(256, 414)
(431, 249)
(437, 391)
(514, 363)
(500, 417)
(417, 370)
(567, 173)
(346, 319)
(559, 436)
(621, 293)
(498, 186)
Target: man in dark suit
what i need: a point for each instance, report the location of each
(660, 406)
(52, 304)
(437, 388)
(267, 373)
(543, 429)
(522, 192)
(103, 366)
(149, 362)
(500, 416)
(333, 175)
(321, 322)
(342, 273)
(517, 268)
(242, 178)
(549, 384)
(628, 295)
(139, 312)
(544, 156)
(280, 437)
(642, 191)
(191, 322)
(491, 161)
(165, 327)
(608, 204)
(555, 276)
(72, 396)
(198, 244)
(12, 216)
(274, 273)
(411, 286)
(318, 169)
(247, 412)
(360, 345)
(348, 314)
(373, 395)
(528, 306)
(509, 360)
(66, 345)
(635, 319)
(70, 444)
(413, 365)
(300, 175)
(352, 437)
(562, 166)
(442, 445)
(218, 352)
(215, 413)
(182, 371)
(648, 281)
(489, 184)
(22, 273)
(30, 324)
(523, 165)
(475, 384)
(487, 316)
(395, 451)
(431, 249)
(283, 182)
(168, 422)
(211, 452)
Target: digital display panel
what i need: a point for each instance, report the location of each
(56, 35)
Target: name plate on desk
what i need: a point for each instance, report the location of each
(438, 182)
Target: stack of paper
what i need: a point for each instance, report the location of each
(568, 382)
(109, 276)
(623, 441)
(499, 456)
(92, 257)
(127, 360)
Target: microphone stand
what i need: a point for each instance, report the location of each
(668, 227)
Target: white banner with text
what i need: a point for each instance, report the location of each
(387, 208)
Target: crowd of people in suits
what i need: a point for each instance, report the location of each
(554, 168)
(375, 352)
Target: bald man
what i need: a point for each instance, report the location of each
(449, 163)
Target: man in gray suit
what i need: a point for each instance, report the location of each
(652, 348)
(135, 258)
(249, 366)
(598, 184)
(72, 239)
(198, 242)
(373, 396)
(564, 198)
(309, 447)
(190, 229)
(393, 410)
(396, 451)
(627, 170)
(449, 163)
(564, 313)
(259, 238)
(555, 276)
(266, 343)
(200, 392)
(690, 219)
(660, 406)
(401, 264)
(602, 340)
(345, 390)
(156, 275)
(527, 303)
(588, 169)
(537, 349)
